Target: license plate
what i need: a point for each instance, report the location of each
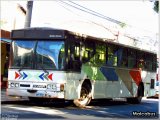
(39, 86)
(39, 94)
(54, 87)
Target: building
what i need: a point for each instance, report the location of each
(5, 48)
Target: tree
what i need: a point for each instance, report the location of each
(156, 6)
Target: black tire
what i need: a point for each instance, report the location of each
(33, 99)
(85, 96)
(39, 100)
(140, 89)
(135, 100)
(140, 94)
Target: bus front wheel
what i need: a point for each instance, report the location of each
(85, 96)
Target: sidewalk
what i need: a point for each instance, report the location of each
(5, 98)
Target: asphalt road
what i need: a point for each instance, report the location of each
(96, 110)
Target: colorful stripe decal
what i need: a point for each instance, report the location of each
(46, 76)
(109, 73)
(136, 76)
(20, 75)
(43, 76)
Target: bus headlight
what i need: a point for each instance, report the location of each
(12, 84)
(54, 86)
(16, 84)
(49, 86)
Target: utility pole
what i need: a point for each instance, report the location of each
(159, 61)
(28, 14)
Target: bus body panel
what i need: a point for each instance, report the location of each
(36, 83)
(38, 80)
(73, 85)
(149, 90)
(124, 86)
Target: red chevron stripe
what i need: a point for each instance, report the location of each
(136, 75)
(16, 75)
(50, 76)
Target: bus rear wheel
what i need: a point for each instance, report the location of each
(135, 100)
(140, 94)
(85, 97)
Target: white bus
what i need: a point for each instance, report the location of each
(52, 63)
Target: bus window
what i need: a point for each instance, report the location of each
(123, 61)
(61, 58)
(112, 55)
(100, 56)
(74, 55)
(148, 61)
(154, 67)
(140, 59)
(23, 54)
(131, 58)
(50, 55)
(88, 51)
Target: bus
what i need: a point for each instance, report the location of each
(48, 63)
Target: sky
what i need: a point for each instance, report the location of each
(139, 17)
(136, 13)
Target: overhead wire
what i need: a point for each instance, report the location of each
(92, 12)
(99, 14)
(89, 20)
(108, 18)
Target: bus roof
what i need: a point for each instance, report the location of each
(54, 33)
(38, 33)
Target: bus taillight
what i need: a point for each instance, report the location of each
(61, 87)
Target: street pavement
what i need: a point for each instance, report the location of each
(21, 108)
(5, 97)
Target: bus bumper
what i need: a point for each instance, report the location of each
(35, 93)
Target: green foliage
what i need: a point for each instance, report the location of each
(2, 22)
(122, 25)
(156, 6)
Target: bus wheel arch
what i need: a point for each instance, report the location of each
(85, 94)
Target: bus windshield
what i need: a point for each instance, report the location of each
(38, 54)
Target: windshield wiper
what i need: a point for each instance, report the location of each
(43, 68)
(21, 68)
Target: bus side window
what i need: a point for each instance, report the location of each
(74, 56)
(100, 56)
(140, 59)
(88, 51)
(148, 61)
(131, 58)
(124, 58)
(154, 63)
(112, 59)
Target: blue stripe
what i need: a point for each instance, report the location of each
(109, 73)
